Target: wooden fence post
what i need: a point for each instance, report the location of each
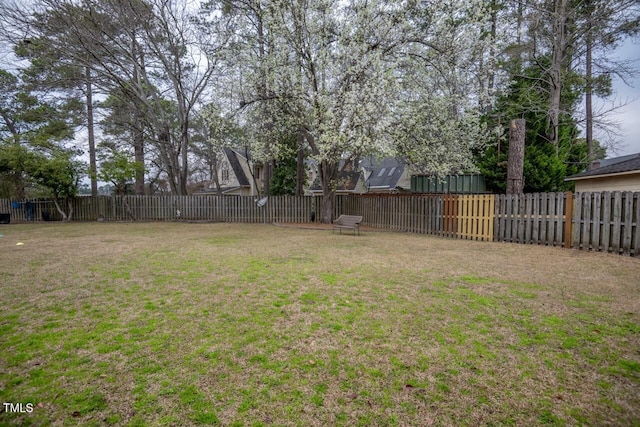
(568, 217)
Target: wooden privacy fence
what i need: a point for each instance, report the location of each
(538, 218)
(606, 221)
(164, 208)
(415, 213)
(195, 208)
(456, 216)
(29, 210)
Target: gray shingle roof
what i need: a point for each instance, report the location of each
(384, 172)
(232, 155)
(612, 166)
(614, 160)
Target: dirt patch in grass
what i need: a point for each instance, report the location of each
(174, 323)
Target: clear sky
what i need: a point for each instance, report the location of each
(628, 116)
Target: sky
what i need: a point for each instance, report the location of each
(629, 115)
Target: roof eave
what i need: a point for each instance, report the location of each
(606, 175)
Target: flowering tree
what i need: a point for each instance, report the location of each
(363, 77)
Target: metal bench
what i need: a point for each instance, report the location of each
(350, 222)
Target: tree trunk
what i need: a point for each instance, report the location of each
(138, 138)
(138, 152)
(328, 173)
(267, 175)
(558, 64)
(184, 151)
(169, 158)
(18, 174)
(326, 210)
(213, 172)
(554, 108)
(515, 166)
(20, 185)
(66, 216)
(62, 213)
(589, 90)
(70, 208)
(93, 170)
(300, 166)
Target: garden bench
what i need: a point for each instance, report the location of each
(351, 222)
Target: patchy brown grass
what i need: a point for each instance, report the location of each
(184, 324)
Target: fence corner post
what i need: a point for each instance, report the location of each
(568, 221)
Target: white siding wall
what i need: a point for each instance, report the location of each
(629, 182)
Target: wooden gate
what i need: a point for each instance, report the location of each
(475, 217)
(468, 216)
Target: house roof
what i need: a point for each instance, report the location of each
(614, 160)
(615, 166)
(385, 173)
(234, 161)
(214, 192)
(347, 181)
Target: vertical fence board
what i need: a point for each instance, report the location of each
(597, 222)
(527, 222)
(577, 222)
(535, 232)
(636, 245)
(545, 218)
(499, 213)
(606, 221)
(521, 218)
(551, 229)
(617, 223)
(559, 222)
(508, 226)
(587, 205)
(627, 223)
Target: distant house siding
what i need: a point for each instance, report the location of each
(226, 175)
(240, 191)
(629, 182)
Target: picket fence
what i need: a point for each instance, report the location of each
(607, 222)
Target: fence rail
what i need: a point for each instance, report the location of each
(607, 222)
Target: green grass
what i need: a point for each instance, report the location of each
(219, 324)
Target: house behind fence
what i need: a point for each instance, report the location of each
(606, 222)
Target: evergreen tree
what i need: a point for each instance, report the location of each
(545, 164)
(34, 129)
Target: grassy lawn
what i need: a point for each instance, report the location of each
(185, 324)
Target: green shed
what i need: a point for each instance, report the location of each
(450, 184)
